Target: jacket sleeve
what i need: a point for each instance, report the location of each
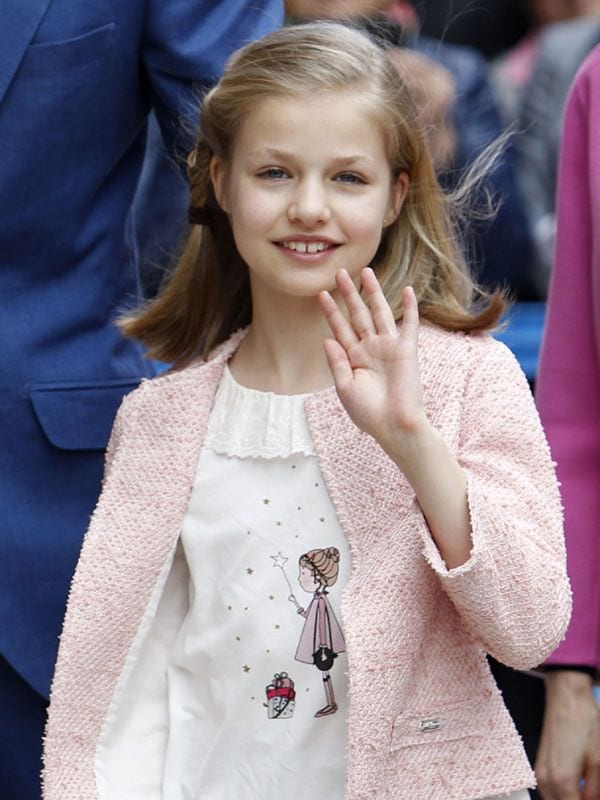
(513, 592)
(568, 389)
(185, 50)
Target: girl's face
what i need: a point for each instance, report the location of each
(307, 192)
(307, 580)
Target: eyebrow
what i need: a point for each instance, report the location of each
(282, 155)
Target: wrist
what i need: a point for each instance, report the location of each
(569, 683)
(406, 444)
(582, 669)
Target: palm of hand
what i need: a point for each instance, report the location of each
(374, 364)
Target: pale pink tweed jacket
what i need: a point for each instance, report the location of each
(426, 720)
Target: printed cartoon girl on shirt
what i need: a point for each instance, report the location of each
(321, 639)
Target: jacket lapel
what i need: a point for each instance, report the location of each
(20, 20)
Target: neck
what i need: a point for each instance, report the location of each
(283, 351)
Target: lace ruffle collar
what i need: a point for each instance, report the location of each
(251, 424)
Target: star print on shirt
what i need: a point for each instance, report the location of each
(279, 560)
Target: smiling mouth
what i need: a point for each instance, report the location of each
(307, 247)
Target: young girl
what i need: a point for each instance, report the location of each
(412, 448)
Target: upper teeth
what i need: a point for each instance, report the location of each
(306, 247)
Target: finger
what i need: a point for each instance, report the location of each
(592, 783)
(380, 308)
(557, 767)
(556, 781)
(410, 317)
(338, 364)
(360, 315)
(543, 786)
(340, 327)
(563, 788)
(558, 789)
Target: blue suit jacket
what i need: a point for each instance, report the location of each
(77, 81)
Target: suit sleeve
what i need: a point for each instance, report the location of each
(186, 47)
(568, 389)
(513, 592)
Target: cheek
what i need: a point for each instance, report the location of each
(366, 240)
(250, 223)
(365, 218)
(256, 214)
(366, 229)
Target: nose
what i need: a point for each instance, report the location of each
(309, 203)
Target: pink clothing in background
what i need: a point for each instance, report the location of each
(568, 391)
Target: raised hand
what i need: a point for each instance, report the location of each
(374, 364)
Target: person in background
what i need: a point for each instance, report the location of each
(489, 26)
(562, 47)
(568, 397)
(77, 82)
(512, 69)
(434, 89)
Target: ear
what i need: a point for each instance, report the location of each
(398, 192)
(218, 179)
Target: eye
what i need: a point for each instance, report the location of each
(273, 174)
(350, 178)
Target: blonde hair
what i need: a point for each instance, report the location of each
(323, 563)
(208, 295)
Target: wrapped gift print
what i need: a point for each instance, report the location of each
(281, 697)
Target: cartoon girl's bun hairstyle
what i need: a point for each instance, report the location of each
(323, 563)
(208, 296)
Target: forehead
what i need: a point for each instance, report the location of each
(327, 124)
